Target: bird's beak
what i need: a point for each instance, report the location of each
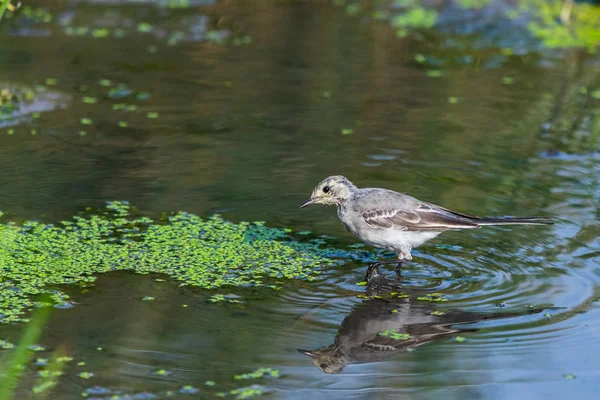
(306, 352)
(307, 203)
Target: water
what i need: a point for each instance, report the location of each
(249, 129)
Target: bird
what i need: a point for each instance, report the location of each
(395, 221)
(377, 329)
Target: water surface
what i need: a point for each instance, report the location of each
(257, 102)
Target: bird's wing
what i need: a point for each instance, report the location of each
(420, 216)
(385, 343)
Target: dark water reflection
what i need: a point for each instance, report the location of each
(251, 129)
(379, 328)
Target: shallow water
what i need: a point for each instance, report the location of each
(248, 128)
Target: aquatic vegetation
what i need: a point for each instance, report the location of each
(207, 253)
(395, 335)
(244, 392)
(415, 17)
(433, 297)
(23, 102)
(434, 73)
(189, 389)
(48, 376)
(471, 4)
(557, 26)
(90, 100)
(162, 372)
(85, 375)
(259, 373)
(229, 298)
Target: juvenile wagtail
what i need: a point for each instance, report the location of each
(395, 221)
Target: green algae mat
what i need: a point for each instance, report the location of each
(37, 258)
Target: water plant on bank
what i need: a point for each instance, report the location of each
(35, 257)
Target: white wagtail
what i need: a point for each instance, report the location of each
(395, 221)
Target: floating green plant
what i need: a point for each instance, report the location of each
(188, 389)
(162, 372)
(259, 373)
(244, 392)
(561, 24)
(85, 375)
(433, 297)
(207, 253)
(395, 335)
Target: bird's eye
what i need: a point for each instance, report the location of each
(326, 189)
(323, 366)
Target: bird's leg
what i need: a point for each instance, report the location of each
(399, 269)
(373, 270)
(403, 256)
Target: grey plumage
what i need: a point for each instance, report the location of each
(395, 221)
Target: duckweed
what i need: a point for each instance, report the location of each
(244, 392)
(433, 297)
(395, 335)
(44, 386)
(188, 389)
(162, 372)
(207, 253)
(259, 373)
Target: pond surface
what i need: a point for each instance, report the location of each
(241, 108)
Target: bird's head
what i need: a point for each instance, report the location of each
(331, 190)
(328, 359)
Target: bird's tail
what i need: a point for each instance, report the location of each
(515, 221)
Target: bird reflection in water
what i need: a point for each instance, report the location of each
(382, 326)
